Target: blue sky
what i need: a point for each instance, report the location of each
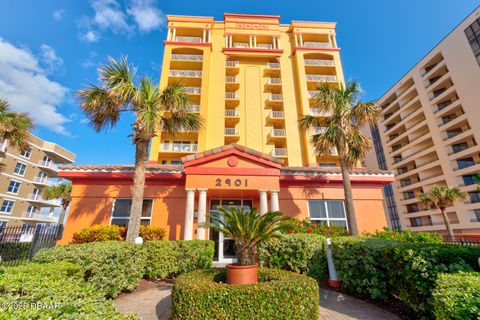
(50, 49)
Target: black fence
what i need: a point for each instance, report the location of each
(463, 241)
(19, 243)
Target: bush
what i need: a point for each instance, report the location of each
(278, 295)
(167, 259)
(457, 296)
(111, 266)
(51, 291)
(302, 253)
(104, 233)
(408, 236)
(305, 226)
(14, 251)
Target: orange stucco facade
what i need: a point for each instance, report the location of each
(229, 172)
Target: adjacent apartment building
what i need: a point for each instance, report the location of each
(22, 179)
(429, 133)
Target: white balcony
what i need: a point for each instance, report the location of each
(230, 79)
(193, 90)
(319, 63)
(321, 78)
(240, 45)
(275, 81)
(231, 113)
(333, 151)
(278, 133)
(185, 73)
(179, 147)
(318, 112)
(314, 44)
(267, 46)
(43, 181)
(48, 165)
(195, 108)
(187, 57)
(312, 94)
(276, 115)
(232, 132)
(188, 39)
(275, 97)
(181, 129)
(232, 95)
(279, 152)
(318, 130)
(32, 216)
(232, 64)
(273, 65)
(37, 198)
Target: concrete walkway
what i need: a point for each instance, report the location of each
(151, 301)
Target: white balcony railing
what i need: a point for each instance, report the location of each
(187, 57)
(312, 94)
(38, 198)
(318, 130)
(48, 164)
(280, 133)
(193, 90)
(275, 97)
(265, 46)
(188, 39)
(232, 95)
(319, 62)
(194, 108)
(231, 132)
(321, 78)
(315, 44)
(39, 217)
(240, 45)
(232, 64)
(277, 115)
(44, 181)
(318, 112)
(273, 65)
(179, 147)
(230, 79)
(279, 152)
(275, 81)
(185, 73)
(333, 151)
(232, 113)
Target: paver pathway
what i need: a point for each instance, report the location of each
(151, 301)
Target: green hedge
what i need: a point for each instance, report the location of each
(51, 291)
(457, 296)
(381, 269)
(279, 295)
(302, 253)
(408, 236)
(166, 259)
(111, 266)
(14, 251)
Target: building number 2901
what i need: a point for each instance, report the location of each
(231, 182)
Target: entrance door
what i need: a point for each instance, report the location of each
(225, 247)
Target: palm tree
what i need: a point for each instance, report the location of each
(347, 114)
(477, 181)
(441, 197)
(15, 127)
(248, 228)
(155, 111)
(62, 192)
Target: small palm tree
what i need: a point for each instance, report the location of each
(155, 111)
(441, 197)
(477, 181)
(62, 192)
(347, 114)
(248, 228)
(15, 127)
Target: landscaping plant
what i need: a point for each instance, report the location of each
(305, 226)
(113, 232)
(407, 236)
(62, 192)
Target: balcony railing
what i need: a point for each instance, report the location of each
(279, 152)
(316, 44)
(180, 147)
(185, 73)
(319, 62)
(318, 130)
(232, 95)
(240, 45)
(277, 115)
(232, 64)
(230, 79)
(188, 39)
(187, 57)
(318, 112)
(275, 97)
(39, 217)
(193, 90)
(194, 108)
(312, 94)
(268, 46)
(232, 113)
(279, 133)
(48, 165)
(231, 132)
(43, 180)
(321, 78)
(273, 65)
(275, 81)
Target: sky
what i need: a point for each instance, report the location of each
(51, 49)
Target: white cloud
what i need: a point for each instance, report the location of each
(25, 85)
(58, 14)
(146, 15)
(109, 15)
(91, 61)
(90, 36)
(49, 59)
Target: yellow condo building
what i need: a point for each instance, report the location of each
(251, 79)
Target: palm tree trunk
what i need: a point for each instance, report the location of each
(447, 224)
(61, 217)
(349, 207)
(141, 154)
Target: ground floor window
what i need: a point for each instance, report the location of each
(3, 224)
(329, 212)
(121, 212)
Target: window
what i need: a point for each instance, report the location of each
(329, 212)
(465, 163)
(328, 164)
(47, 160)
(26, 227)
(176, 162)
(473, 37)
(31, 209)
(20, 169)
(477, 214)
(7, 206)
(13, 187)
(459, 147)
(26, 154)
(3, 224)
(474, 197)
(469, 179)
(164, 161)
(121, 212)
(416, 222)
(411, 208)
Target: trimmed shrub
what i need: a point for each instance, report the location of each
(167, 259)
(305, 226)
(14, 251)
(104, 233)
(279, 294)
(457, 296)
(302, 253)
(51, 291)
(408, 236)
(111, 266)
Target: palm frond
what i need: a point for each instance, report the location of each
(15, 127)
(174, 97)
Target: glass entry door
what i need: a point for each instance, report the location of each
(225, 247)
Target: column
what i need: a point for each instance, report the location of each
(204, 35)
(263, 201)
(174, 34)
(226, 41)
(274, 206)
(230, 40)
(250, 41)
(189, 207)
(301, 40)
(202, 213)
(255, 41)
(274, 42)
(334, 40)
(330, 41)
(278, 43)
(168, 34)
(209, 36)
(296, 39)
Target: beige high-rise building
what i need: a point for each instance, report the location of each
(429, 133)
(23, 177)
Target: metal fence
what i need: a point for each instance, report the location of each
(19, 243)
(462, 240)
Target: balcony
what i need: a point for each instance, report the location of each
(232, 64)
(316, 44)
(188, 39)
(276, 115)
(274, 81)
(319, 63)
(267, 46)
(185, 73)
(273, 65)
(312, 94)
(277, 133)
(232, 132)
(49, 165)
(275, 97)
(194, 108)
(32, 216)
(193, 90)
(43, 181)
(279, 152)
(318, 130)
(318, 112)
(179, 147)
(232, 96)
(187, 57)
(232, 113)
(230, 79)
(37, 198)
(321, 78)
(241, 45)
